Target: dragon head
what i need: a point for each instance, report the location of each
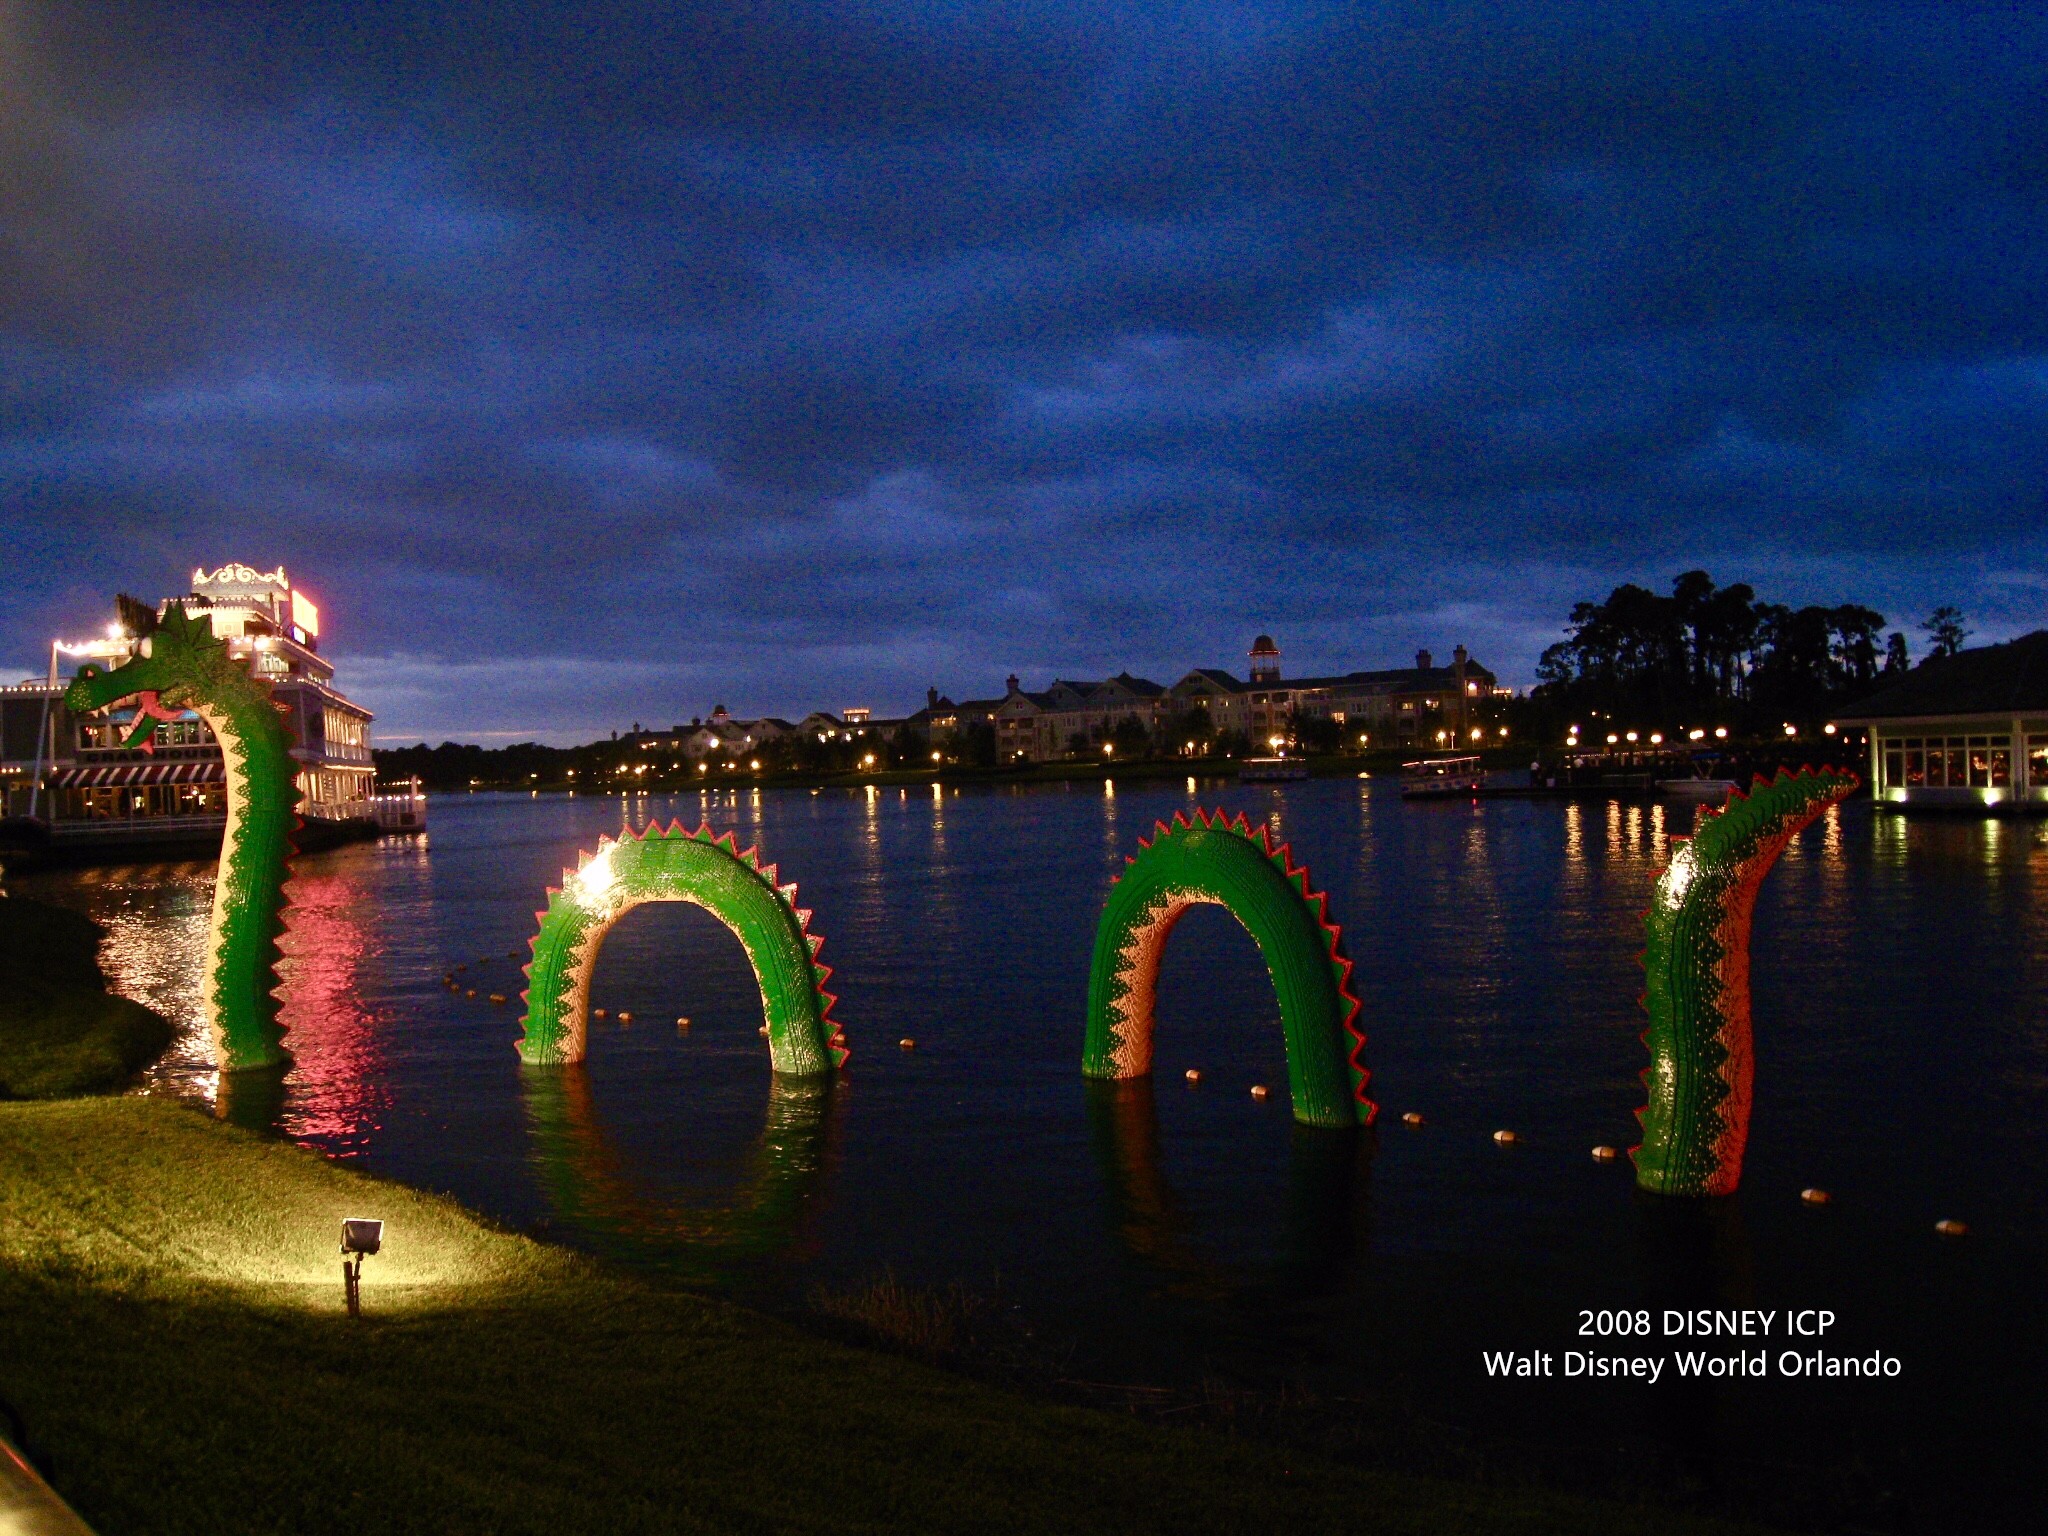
(174, 657)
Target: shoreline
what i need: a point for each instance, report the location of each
(171, 1302)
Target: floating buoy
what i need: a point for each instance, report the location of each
(1815, 1196)
(1194, 1074)
(449, 977)
(497, 997)
(1505, 1137)
(597, 1013)
(1604, 1154)
(907, 1043)
(511, 954)
(462, 968)
(625, 1017)
(1413, 1117)
(1259, 1090)
(1952, 1228)
(470, 993)
(682, 1021)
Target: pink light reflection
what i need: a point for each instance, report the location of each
(336, 1094)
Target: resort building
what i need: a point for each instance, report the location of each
(1036, 727)
(1963, 732)
(944, 723)
(1421, 706)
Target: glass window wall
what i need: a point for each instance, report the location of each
(1956, 762)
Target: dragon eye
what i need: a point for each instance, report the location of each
(87, 669)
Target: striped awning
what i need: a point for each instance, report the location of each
(128, 775)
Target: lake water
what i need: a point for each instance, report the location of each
(1190, 1237)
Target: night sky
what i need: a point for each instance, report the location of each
(600, 367)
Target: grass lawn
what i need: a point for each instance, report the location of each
(61, 1032)
(173, 1341)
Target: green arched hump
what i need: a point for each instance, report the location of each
(1696, 988)
(180, 664)
(712, 872)
(1228, 863)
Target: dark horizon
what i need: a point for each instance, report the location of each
(608, 367)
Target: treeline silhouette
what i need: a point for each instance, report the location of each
(1713, 652)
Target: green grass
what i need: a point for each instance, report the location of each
(61, 1032)
(172, 1338)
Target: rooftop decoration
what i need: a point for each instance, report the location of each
(1213, 859)
(179, 664)
(734, 887)
(1696, 963)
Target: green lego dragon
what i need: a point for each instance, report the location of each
(1226, 862)
(180, 664)
(734, 887)
(1696, 964)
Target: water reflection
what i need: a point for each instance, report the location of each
(156, 918)
(1322, 1208)
(1694, 1254)
(594, 1190)
(340, 1086)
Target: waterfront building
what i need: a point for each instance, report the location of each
(1035, 727)
(1962, 732)
(1420, 706)
(720, 735)
(945, 723)
(74, 778)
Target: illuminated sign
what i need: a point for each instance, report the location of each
(240, 576)
(304, 615)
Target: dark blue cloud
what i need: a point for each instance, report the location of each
(601, 363)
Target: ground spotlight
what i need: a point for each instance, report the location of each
(360, 1237)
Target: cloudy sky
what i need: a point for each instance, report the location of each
(601, 363)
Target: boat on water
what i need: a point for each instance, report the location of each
(1442, 778)
(1271, 770)
(71, 788)
(1696, 788)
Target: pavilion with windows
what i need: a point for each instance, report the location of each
(1963, 732)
